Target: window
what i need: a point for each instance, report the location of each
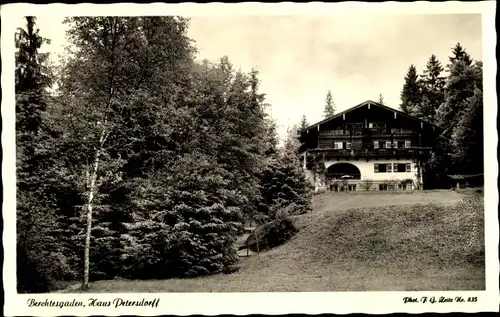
(372, 125)
(395, 144)
(389, 168)
(402, 167)
(348, 145)
(407, 144)
(352, 188)
(349, 126)
(380, 168)
(337, 145)
(402, 186)
(401, 144)
(382, 186)
(375, 144)
(358, 125)
(408, 167)
(388, 144)
(381, 125)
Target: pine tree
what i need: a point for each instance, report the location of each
(467, 137)
(411, 93)
(459, 54)
(381, 99)
(460, 86)
(432, 84)
(457, 117)
(39, 258)
(303, 123)
(295, 193)
(285, 190)
(202, 190)
(329, 105)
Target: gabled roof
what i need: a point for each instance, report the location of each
(362, 105)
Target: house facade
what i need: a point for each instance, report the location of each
(367, 147)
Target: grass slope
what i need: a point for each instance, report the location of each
(359, 242)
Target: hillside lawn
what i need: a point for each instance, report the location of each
(380, 241)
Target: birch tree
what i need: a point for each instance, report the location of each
(115, 66)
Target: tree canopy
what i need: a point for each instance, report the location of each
(147, 165)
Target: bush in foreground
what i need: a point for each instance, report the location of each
(270, 235)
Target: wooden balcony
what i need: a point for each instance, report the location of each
(373, 132)
(374, 153)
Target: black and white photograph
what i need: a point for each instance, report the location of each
(154, 155)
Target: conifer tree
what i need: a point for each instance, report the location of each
(284, 186)
(381, 99)
(411, 93)
(458, 118)
(329, 105)
(467, 137)
(303, 123)
(39, 258)
(432, 89)
(459, 53)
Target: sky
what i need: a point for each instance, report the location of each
(299, 58)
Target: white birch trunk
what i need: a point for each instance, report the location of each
(92, 194)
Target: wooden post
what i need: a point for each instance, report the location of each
(257, 241)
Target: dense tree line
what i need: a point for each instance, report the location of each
(452, 99)
(142, 162)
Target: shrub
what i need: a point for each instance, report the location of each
(367, 184)
(35, 270)
(271, 235)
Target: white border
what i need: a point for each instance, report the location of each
(256, 303)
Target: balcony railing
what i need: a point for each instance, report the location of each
(332, 132)
(402, 131)
(367, 131)
(373, 152)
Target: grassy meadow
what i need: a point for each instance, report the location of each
(413, 241)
